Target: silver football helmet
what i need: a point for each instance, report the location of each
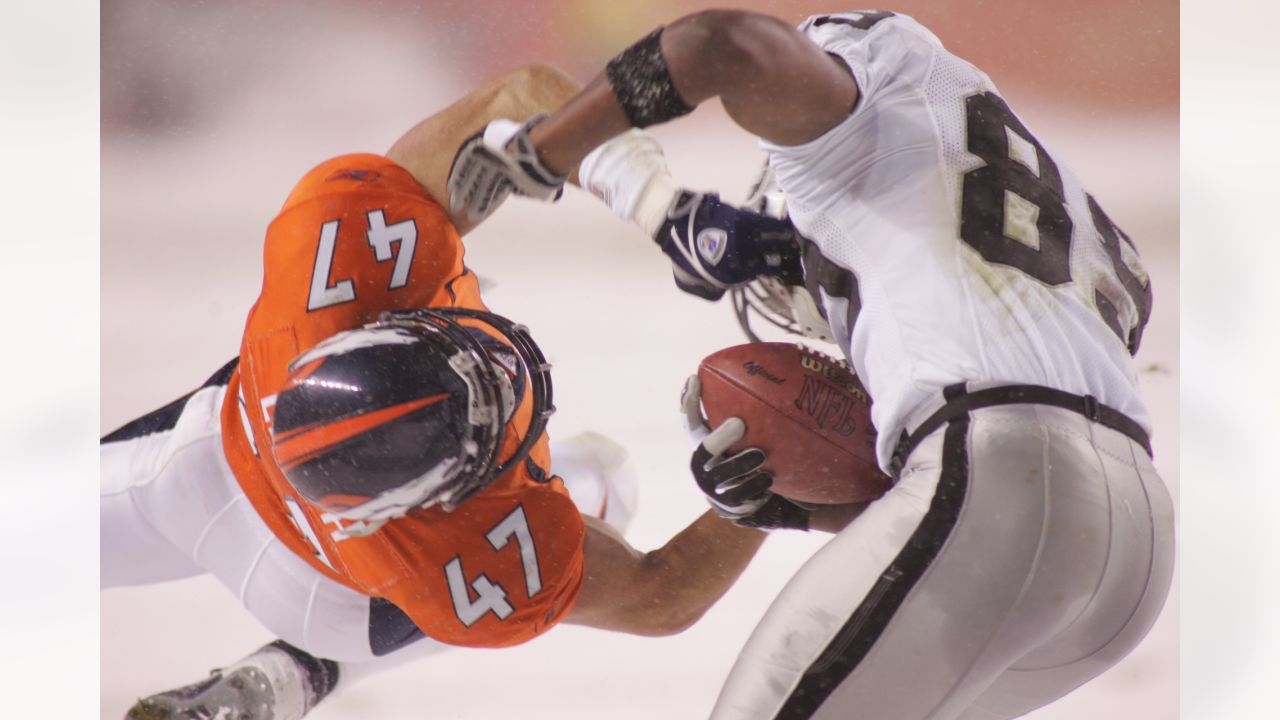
(783, 302)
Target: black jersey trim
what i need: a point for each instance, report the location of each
(223, 375)
(866, 19)
(537, 473)
(166, 417)
(822, 273)
(859, 633)
(389, 627)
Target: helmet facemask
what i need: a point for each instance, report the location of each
(782, 301)
(788, 307)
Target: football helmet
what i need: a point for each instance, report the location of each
(780, 300)
(781, 304)
(407, 412)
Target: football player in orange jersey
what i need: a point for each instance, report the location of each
(371, 473)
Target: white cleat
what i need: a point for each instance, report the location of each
(269, 684)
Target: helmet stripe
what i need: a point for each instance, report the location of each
(297, 375)
(298, 448)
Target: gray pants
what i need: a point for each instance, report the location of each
(1024, 551)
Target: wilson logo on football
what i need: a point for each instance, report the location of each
(816, 365)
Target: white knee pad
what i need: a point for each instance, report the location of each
(599, 475)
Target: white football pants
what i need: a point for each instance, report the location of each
(171, 508)
(1024, 551)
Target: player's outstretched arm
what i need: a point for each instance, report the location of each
(427, 149)
(663, 591)
(772, 81)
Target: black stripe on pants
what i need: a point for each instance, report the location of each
(855, 638)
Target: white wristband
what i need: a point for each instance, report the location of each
(499, 132)
(629, 173)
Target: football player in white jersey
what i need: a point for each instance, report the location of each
(990, 306)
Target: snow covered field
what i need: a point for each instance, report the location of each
(182, 223)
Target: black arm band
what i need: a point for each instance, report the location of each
(642, 84)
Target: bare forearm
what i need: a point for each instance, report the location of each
(772, 81)
(595, 115)
(703, 561)
(663, 591)
(586, 121)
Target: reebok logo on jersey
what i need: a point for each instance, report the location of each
(711, 244)
(364, 176)
(601, 192)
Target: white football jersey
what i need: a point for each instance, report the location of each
(948, 243)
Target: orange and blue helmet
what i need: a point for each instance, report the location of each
(407, 412)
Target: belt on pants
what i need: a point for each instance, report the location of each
(959, 401)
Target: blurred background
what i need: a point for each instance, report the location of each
(211, 111)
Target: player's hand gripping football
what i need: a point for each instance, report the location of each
(496, 162)
(736, 487)
(714, 246)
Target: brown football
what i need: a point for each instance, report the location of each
(808, 413)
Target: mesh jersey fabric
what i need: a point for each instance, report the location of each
(882, 195)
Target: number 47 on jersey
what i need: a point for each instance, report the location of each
(381, 236)
(490, 596)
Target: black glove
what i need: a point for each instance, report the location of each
(714, 246)
(736, 487)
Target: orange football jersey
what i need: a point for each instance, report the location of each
(356, 237)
